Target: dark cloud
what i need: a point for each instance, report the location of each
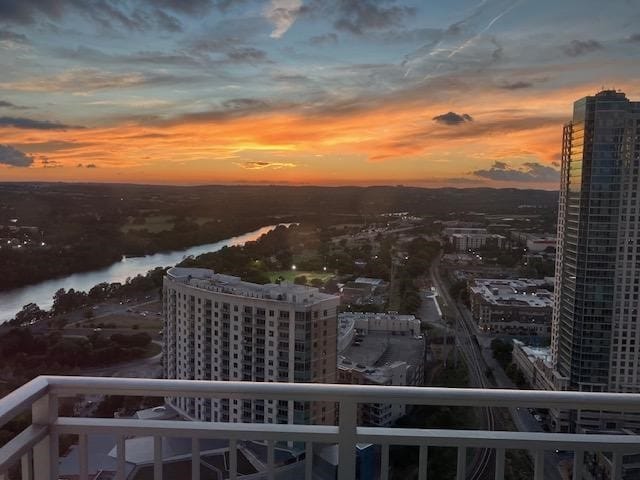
(517, 85)
(529, 172)
(634, 38)
(5, 104)
(8, 35)
(47, 163)
(187, 7)
(247, 55)
(167, 22)
(581, 47)
(452, 118)
(28, 123)
(359, 16)
(105, 13)
(195, 7)
(90, 165)
(326, 39)
(13, 157)
(153, 57)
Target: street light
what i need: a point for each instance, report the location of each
(293, 267)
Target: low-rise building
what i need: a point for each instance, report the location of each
(535, 242)
(537, 369)
(363, 291)
(464, 230)
(463, 242)
(380, 349)
(516, 307)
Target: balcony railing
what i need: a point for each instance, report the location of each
(36, 447)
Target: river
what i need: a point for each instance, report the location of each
(12, 301)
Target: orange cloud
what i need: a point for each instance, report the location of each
(385, 142)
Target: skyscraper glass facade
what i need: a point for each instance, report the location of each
(595, 332)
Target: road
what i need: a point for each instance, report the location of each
(476, 347)
(465, 341)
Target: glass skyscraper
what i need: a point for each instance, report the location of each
(595, 334)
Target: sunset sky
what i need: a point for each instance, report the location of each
(331, 92)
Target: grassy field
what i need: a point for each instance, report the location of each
(152, 223)
(290, 275)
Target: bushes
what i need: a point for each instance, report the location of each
(27, 355)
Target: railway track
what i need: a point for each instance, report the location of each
(468, 346)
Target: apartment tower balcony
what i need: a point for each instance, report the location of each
(36, 448)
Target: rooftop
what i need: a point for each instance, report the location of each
(382, 348)
(522, 291)
(205, 279)
(534, 353)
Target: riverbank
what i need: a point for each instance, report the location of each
(42, 293)
(53, 261)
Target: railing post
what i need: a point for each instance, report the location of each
(423, 459)
(157, 457)
(500, 455)
(44, 411)
(578, 462)
(461, 469)
(121, 457)
(26, 465)
(538, 465)
(270, 460)
(195, 459)
(348, 423)
(616, 468)
(308, 460)
(83, 454)
(384, 462)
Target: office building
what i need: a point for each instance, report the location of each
(464, 242)
(595, 335)
(218, 327)
(380, 349)
(516, 307)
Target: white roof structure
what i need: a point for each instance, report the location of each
(524, 291)
(206, 279)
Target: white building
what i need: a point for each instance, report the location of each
(463, 242)
(380, 349)
(535, 242)
(513, 306)
(218, 327)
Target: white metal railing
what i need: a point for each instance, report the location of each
(37, 446)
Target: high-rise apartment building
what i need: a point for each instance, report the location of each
(218, 327)
(595, 335)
